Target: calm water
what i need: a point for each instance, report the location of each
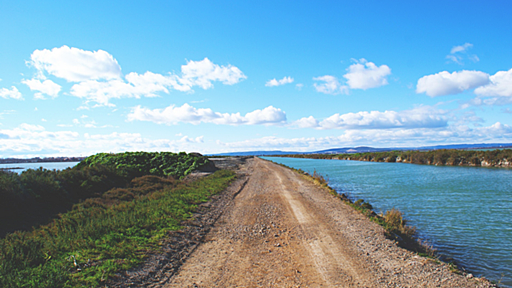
(48, 165)
(466, 212)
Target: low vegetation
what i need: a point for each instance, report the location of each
(448, 157)
(102, 235)
(35, 196)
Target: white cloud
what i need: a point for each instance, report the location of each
(102, 92)
(498, 132)
(274, 82)
(46, 87)
(34, 140)
(331, 85)
(195, 73)
(76, 65)
(100, 79)
(461, 48)
(187, 139)
(173, 115)
(365, 75)
(361, 75)
(267, 116)
(203, 73)
(499, 88)
(150, 83)
(306, 122)
(420, 117)
(146, 85)
(446, 83)
(10, 93)
(457, 53)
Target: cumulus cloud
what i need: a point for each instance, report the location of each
(499, 89)
(365, 75)
(12, 93)
(76, 65)
(46, 87)
(306, 122)
(173, 115)
(457, 53)
(98, 76)
(420, 117)
(274, 82)
(360, 75)
(203, 73)
(195, 73)
(330, 85)
(446, 83)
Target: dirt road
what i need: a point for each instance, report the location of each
(283, 231)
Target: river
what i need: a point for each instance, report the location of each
(20, 167)
(465, 212)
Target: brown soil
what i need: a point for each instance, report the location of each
(281, 230)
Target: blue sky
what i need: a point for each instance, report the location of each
(82, 78)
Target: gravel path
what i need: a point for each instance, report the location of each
(283, 231)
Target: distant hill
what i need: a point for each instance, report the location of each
(363, 149)
(257, 153)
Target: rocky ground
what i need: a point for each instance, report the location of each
(274, 228)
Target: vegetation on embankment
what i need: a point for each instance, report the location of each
(392, 220)
(102, 235)
(35, 196)
(448, 157)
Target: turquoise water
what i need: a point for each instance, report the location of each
(465, 212)
(46, 165)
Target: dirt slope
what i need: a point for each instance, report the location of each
(283, 231)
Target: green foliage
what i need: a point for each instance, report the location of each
(136, 164)
(449, 157)
(100, 236)
(35, 196)
(363, 205)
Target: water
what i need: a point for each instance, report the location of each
(46, 165)
(465, 212)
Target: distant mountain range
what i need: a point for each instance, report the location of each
(363, 149)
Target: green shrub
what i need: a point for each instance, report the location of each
(100, 236)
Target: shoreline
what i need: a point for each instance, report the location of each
(428, 252)
(10, 168)
(449, 158)
(483, 164)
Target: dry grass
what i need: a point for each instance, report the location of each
(395, 222)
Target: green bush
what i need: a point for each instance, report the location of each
(100, 236)
(36, 196)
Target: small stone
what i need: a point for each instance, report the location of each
(469, 276)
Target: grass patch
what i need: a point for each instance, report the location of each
(100, 236)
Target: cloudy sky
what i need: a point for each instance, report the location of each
(111, 76)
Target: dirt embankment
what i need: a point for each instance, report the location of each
(276, 229)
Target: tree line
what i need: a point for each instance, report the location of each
(447, 157)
